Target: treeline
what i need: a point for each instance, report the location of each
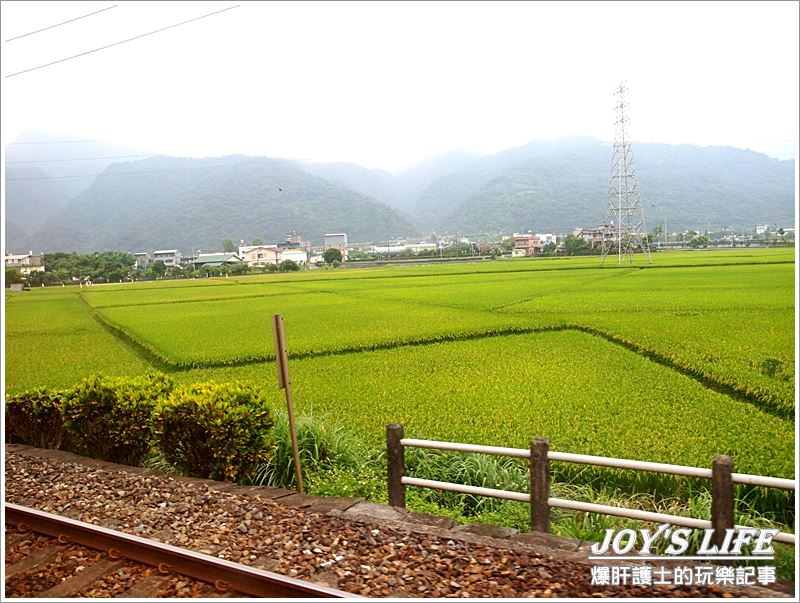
(116, 266)
(63, 268)
(107, 266)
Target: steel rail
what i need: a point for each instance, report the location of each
(219, 572)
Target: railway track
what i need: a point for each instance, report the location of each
(52, 556)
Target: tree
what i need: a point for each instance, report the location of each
(13, 276)
(98, 267)
(288, 266)
(657, 234)
(549, 249)
(332, 255)
(574, 245)
(158, 268)
(240, 268)
(700, 241)
(257, 241)
(228, 246)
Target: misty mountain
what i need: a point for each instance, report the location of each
(171, 202)
(378, 184)
(401, 190)
(557, 185)
(71, 162)
(552, 185)
(31, 194)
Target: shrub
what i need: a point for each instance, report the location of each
(35, 418)
(214, 430)
(110, 418)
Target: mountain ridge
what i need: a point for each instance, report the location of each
(191, 204)
(545, 185)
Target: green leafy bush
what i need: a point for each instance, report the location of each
(34, 417)
(215, 430)
(110, 418)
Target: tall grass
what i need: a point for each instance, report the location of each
(323, 447)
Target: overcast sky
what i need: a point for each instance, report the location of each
(386, 85)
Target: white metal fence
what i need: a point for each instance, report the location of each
(721, 474)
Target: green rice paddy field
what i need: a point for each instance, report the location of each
(672, 362)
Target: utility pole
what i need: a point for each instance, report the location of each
(625, 211)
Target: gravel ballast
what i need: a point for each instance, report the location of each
(361, 557)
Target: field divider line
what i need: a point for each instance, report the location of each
(571, 288)
(719, 385)
(731, 389)
(194, 301)
(142, 349)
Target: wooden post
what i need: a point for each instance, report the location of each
(396, 460)
(540, 485)
(282, 362)
(721, 496)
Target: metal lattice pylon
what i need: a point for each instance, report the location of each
(624, 231)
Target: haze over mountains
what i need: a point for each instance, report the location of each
(136, 204)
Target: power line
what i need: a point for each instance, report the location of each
(30, 33)
(54, 141)
(205, 167)
(150, 33)
(78, 159)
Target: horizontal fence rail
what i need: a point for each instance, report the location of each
(721, 475)
(603, 461)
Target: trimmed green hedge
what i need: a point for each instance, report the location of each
(110, 417)
(35, 417)
(215, 430)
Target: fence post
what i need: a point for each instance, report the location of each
(721, 496)
(396, 460)
(540, 485)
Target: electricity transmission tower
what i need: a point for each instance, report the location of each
(624, 232)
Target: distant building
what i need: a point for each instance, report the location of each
(294, 240)
(396, 249)
(593, 236)
(337, 241)
(142, 261)
(298, 256)
(259, 255)
(547, 238)
(26, 262)
(420, 247)
(170, 257)
(526, 245)
(216, 260)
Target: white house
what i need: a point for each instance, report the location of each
(170, 257)
(26, 262)
(259, 255)
(299, 256)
